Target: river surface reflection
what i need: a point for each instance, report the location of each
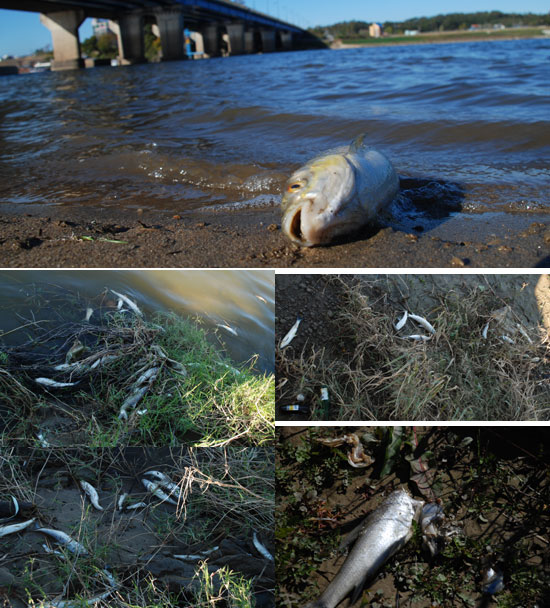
(238, 304)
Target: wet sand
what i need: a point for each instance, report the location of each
(249, 238)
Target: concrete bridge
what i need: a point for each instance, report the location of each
(218, 24)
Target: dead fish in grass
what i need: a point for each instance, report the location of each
(64, 540)
(337, 193)
(402, 321)
(6, 507)
(260, 548)
(291, 334)
(156, 491)
(422, 321)
(13, 528)
(132, 305)
(164, 481)
(92, 494)
(53, 383)
(141, 386)
(383, 533)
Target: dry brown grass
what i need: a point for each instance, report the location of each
(456, 375)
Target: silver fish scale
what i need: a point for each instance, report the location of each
(384, 532)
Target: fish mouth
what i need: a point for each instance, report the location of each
(294, 229)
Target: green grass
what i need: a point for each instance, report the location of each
(210, 402)
(449, 36)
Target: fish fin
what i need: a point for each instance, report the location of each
(357, 591)
(358, 143)
(352, 535)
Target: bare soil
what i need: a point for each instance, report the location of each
(246, 238)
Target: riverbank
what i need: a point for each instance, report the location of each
(106, 238)
(445, 37)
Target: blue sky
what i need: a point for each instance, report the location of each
(22, 32)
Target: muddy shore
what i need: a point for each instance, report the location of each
(83, 237)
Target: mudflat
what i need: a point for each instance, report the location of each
(88, 237)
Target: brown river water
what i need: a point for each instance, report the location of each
(466, 126)
(241, 300)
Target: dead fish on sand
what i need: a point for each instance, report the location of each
(382, 534)
(165, 482)
(337, 193)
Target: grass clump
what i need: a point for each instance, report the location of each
(124, 379)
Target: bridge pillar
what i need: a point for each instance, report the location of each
(211, 36)
(63, 26)
(236, 38)
(170, 22)
(130, 39)
(249, 42)
(268, 41)
(286, 40)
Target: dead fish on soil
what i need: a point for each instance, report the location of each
(382, 534)
(64, 540)
(337, 193)
(92, 494)
(132, 305)
(13, 528)
(156, 491)
(291, 334)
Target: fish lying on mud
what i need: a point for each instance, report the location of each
(337, 193)
(383, 533)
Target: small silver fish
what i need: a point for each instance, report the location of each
(92, 494)
(164, 481)
(65, 540)
(291, 334)
(402, 321)
(156, 491)
(13, 528)
(53, 383)
(132, 305)
(337, 193)
(422, 321)
(228, 328)
(192, 558)
(260, 548)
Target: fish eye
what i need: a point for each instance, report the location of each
(294, 186)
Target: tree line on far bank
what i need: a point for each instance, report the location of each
(450, 22)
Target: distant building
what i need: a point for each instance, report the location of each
(375, 30)
(100, 27)
(412, 32)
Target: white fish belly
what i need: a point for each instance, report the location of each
(386, 530)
